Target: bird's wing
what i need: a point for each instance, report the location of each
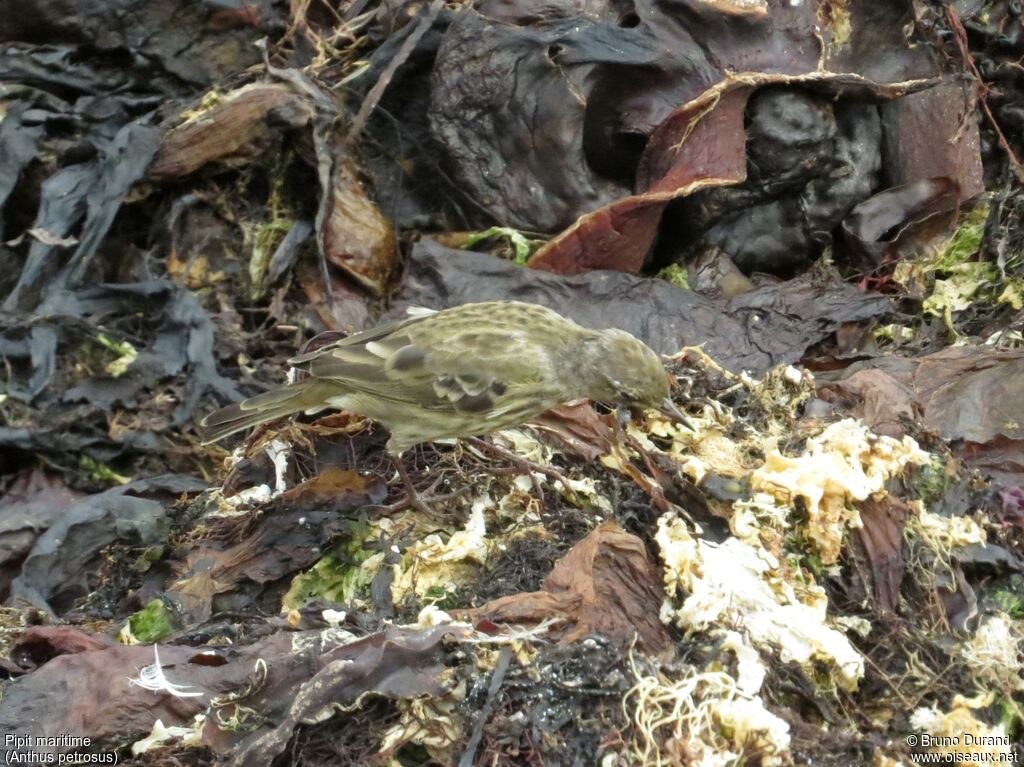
(468, 364)
(354, 341)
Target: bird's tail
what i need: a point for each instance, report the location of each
(293, 398)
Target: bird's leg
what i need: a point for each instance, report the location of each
(527, 467)
(412, 498)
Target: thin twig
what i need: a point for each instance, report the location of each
(425, 22)
(497, 677)
(960, 35)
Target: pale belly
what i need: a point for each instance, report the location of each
(409, 424)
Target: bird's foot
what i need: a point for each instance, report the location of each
(413, 499)
(525, 466)
(425, 504)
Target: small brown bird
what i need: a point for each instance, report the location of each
(464, 371)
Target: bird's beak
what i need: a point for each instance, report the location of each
(668, 408)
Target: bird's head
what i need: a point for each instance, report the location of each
(626, 371)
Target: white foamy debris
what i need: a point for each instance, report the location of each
(431, 616)
(748, 721)
(433, 562)
(792, 375)
(943, 533)
(753, 516)
(994, 652)
(251, 496)
(587, 488)
(844, 463)
(738, 585)
(525, 444)
(334, 618)
(750, 671)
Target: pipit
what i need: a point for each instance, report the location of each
(465, 371)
